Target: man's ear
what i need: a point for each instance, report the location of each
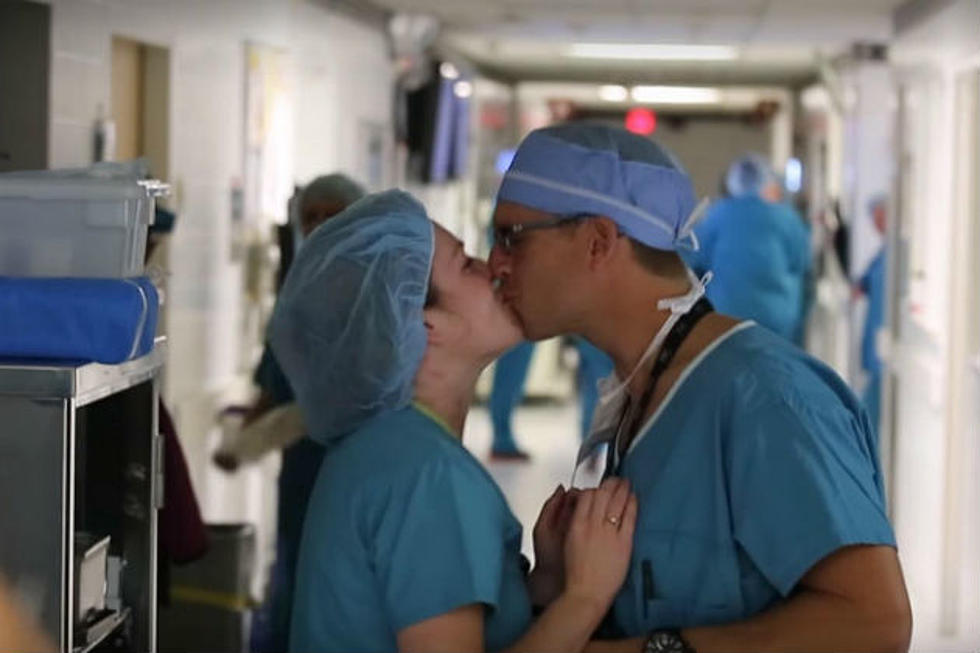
(603, 238)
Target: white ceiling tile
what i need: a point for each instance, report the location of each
(497, 32)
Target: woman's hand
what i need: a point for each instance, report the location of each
(551, 528)
(548, 578)
(596, 551)
(599, 542)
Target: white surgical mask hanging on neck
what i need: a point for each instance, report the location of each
(613, 392)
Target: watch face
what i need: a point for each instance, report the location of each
(665, 641)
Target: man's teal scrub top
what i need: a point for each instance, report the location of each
(759, 463)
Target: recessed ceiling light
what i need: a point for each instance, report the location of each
(448, 70)
(676, 94)
(652, 51)
(463, 89)
(613, 93)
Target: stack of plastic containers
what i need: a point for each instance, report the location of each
(87, 223)
(67, 240)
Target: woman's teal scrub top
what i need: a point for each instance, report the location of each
(759, 463)
(404, 524)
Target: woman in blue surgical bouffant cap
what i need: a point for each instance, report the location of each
(382, 327)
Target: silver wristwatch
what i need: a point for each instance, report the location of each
(666, 641)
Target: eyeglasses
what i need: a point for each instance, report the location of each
(507, 237)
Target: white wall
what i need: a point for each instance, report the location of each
(869, 153)
(343, 82)
(341, 78)
(936, 494)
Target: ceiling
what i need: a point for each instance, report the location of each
(778, 42)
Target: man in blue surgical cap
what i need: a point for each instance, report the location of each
(758, 250)
(762, 519)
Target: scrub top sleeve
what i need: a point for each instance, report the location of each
(802, 484)
(440, 544)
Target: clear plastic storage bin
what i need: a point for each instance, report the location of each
(58, 225)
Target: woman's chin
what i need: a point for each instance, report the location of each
(515, 329)
(511, 335)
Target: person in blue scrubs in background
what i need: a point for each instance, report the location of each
(762, 523)
(320, 200)
(383, 326)
(758, 250)
(872, 284)
(510, 373)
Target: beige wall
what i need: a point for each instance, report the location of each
(706, 147)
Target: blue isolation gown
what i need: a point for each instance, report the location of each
(759, 253)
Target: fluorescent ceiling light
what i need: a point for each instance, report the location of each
(651, 51)
(676, 94)
(613, 93)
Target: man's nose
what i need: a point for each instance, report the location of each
(483, 268)
(499, 262)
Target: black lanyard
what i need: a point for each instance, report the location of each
(680, 331)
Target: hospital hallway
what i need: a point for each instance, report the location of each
(812, 169)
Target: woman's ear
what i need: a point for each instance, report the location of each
(435, 324)
(442, 326)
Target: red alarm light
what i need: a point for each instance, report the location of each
(641, 121)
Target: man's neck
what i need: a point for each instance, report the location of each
(627, 323)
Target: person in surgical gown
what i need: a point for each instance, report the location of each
(382, 328)
(762, 514)
(509, 376)
(321, 199)
(872, 284)
(757, 249)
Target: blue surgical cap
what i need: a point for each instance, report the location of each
(597, 169)
(749, 175)
(878, 199)
(336, 187)
(348, 328)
